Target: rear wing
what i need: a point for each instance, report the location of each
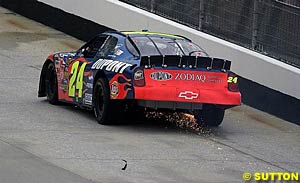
(208, 63)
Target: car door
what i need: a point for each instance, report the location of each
(76, 72)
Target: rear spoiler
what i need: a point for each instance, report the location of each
(208, 63)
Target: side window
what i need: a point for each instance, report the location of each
(91, 49)
(108, 47)
(131, 48)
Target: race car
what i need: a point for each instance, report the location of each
(117, 73)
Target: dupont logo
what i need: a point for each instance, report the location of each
(188, 95)
(161, 76)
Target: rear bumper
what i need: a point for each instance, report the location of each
(190, 95)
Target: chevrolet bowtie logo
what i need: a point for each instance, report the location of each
(189, 95)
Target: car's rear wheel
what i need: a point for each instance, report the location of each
(210, 115)
(51, 84)
(105, 109)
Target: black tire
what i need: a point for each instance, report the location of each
(210, 115)
(51, 84)
(105, 109)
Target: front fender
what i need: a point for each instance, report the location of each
(42, 83)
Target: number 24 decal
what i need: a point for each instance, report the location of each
(232, 79)
(79, 79)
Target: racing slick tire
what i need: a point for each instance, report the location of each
(51, 84)
(105, 109)
(210, 115)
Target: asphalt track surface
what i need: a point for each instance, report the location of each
(40, 142)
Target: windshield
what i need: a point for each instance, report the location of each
(153, 45)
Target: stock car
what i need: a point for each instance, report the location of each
(117, 73)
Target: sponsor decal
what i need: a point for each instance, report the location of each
(188, 95)
(138, 75)
(120, 86)
(114, 90)
(214, 79)
(111, 65)
(64, 81)
(89, 85)
(65, 86)
(87, 99)
(67, 54)
(66, 58)
(190, 77)
(197, 77)
(160, 76)
(117, 50)
(66, 75)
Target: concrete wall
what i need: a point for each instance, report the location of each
(251, 65)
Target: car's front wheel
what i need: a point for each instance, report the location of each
(210, 115)
(51, 84)
(105, 109)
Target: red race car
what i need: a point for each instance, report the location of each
(119, 72)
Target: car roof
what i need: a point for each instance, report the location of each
(145, 33)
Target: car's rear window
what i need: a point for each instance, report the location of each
(190, 48)
(155, 45)
(146, 46)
